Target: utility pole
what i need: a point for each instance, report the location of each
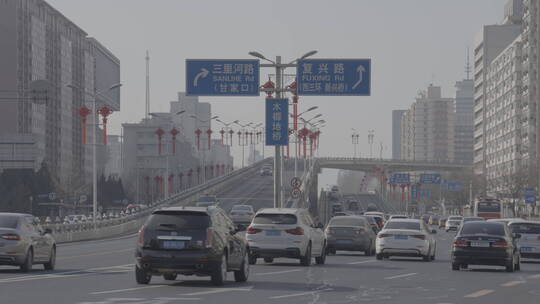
(147, 105)
(371, 136)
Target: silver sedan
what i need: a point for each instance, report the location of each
(23, 242)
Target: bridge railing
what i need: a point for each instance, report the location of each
(390, 160)
(130, 222)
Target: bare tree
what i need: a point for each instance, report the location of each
(510, 185)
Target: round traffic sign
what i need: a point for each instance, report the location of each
(295, 193)
(296, 182)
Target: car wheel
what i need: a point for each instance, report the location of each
(252, 259)
(368, 251)
(510, 266)
(379, 256)
(142, 276)
(455, 266)
(321, 259)
(426, 258)
(28, 262)
(518, 264)
(242, 274)
(330, 251)
(219, 276)
(170, 276)
(52, 260)
(306, 260)
(268, 260)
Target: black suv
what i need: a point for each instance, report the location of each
(485, 243)
(190, 241)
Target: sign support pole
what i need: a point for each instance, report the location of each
(277, 148)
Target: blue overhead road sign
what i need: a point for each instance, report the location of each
(530, 195)
(400, 178)
(346, 77)
(222, 77)
(430, 178)
(277, 122)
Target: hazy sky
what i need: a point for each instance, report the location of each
(411, 43)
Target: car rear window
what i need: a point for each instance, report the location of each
(483, 228)
(178, 220)
(402, 225)
(473, 219)
(270, 218)
(8, 221)
(347, 221)
(525, 228)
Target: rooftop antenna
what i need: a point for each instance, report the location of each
(468, 66)
(147, 106)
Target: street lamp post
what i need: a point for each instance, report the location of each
(355, 140)
(94, 133)
(296, 146)
(279, 68)
(371, 136)
(203, 165)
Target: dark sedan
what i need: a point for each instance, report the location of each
(350, 233)
(485, 243)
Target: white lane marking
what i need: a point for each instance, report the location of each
(479, 293)
(67, 274)
(534, 276)
(216, 290)
(124, 290)
(401, 276)
(512, 283)
(362, 262)
(301, 294)
(279, 272)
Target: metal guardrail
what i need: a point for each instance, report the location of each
(394, 161)
(131, 222)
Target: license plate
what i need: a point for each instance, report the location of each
(400, 237)
(174, 244)
(528, 249)
(344, 241)
(273, 232)
(479, 244)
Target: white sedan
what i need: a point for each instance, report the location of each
(406, 237)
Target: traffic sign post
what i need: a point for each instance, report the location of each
(296, 182)
(295, 193)
(400, 179)
(342, 77)
(277, 122)
(222, 77)
(414, 191)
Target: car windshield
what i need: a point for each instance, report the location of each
(207, 199)
(275, 218)
(489, 206)
(241, 208)
(402, 225)
(178, 220)
(473, 228)
(347, 221)
(525, 228)
(8, 221)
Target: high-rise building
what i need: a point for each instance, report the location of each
(39, 43)
(396, 133)
(464, 123)
(427, 128)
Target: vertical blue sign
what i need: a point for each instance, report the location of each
(530, 196)
(222, 77)
(345, 77)
(277, 121)
(424, 192)
(414, 191)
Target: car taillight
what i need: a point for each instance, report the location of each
(383, 235)
(295, 231)
(499, 244)
(419, 236)
(140, 239)
(252, 230)
(459, 243)
(209, 237)
(10, 236)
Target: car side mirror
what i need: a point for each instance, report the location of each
(516, 235)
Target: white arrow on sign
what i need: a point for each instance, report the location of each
(202, 74)
(360, 69)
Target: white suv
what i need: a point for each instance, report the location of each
(285, 233)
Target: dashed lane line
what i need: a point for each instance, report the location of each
(217, 290)
(512, 283)
(401, 276)
(534, 276)
(479, 293)
(278, 272)
(301, 294)
(124, 290)
(94, 254)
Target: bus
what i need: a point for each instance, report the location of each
(488, 208)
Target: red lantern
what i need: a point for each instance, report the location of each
(198, 133)
(83, 112)
(105, 112)
(222, 132)
(209, 133)
(268, 85)
(159, 133)
(174, 132)
(231, 132)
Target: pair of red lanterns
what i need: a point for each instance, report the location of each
(104, 112)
